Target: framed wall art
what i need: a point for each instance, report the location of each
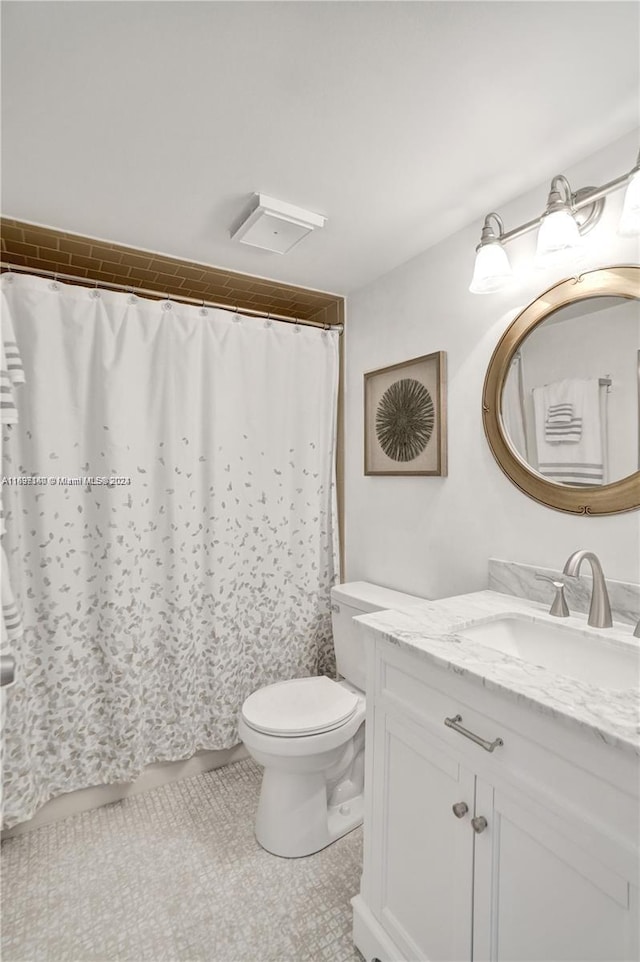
(405, 426)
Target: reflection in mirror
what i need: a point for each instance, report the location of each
(570, 403)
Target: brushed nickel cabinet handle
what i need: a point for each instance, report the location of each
(482, 742)
(460, 809)
(479, 824)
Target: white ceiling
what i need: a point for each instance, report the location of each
(152, 123)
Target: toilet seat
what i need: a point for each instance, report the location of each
(303, 706)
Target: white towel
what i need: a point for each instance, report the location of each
(11, 618)
(563, 411)
(566, 460)
(559, 413)
(11, 373)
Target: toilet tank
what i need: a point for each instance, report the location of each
(348, 601)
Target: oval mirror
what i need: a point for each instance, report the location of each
(561, 400)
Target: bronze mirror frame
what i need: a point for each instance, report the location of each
(615, 498)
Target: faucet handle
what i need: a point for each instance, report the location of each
(559, 607)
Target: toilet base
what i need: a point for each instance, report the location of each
(345, 818)
(293, 819)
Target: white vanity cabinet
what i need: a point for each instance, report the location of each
(551, 876)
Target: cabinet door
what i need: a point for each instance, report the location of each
(423, 852)
(538, 895)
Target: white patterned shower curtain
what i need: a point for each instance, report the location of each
(154, 604)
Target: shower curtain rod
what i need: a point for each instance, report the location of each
(84, 281)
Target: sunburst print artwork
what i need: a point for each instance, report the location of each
(405, 418)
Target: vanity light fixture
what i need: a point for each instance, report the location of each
(569, 214)
(492, 269)
(559, 233)
(630, 219)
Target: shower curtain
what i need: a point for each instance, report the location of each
(176, 544)
(513, 412)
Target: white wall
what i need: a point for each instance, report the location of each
(433, 536)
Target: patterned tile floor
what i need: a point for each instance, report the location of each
(175, 875)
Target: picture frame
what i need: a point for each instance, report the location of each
(405, 422)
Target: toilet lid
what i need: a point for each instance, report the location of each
(304, 706)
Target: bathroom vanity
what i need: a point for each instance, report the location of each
(502, 811)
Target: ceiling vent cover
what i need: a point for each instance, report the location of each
(275, 226)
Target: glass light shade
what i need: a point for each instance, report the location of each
(492, 269)
(630, 219)
(558, 236)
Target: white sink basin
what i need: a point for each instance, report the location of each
(605, 662)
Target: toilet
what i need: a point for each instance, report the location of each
(308, 734)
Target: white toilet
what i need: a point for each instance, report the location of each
(309, 736)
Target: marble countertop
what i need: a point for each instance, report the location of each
(431, 630)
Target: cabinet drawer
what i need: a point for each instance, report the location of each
(429, 699)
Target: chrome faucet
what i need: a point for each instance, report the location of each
(599, 610)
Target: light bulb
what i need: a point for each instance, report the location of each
(492, 269)
(630, 219)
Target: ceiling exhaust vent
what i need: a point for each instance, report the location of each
(274, 225)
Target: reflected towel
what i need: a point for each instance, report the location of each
(563, 405)
(559, 413)
(567, 460)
